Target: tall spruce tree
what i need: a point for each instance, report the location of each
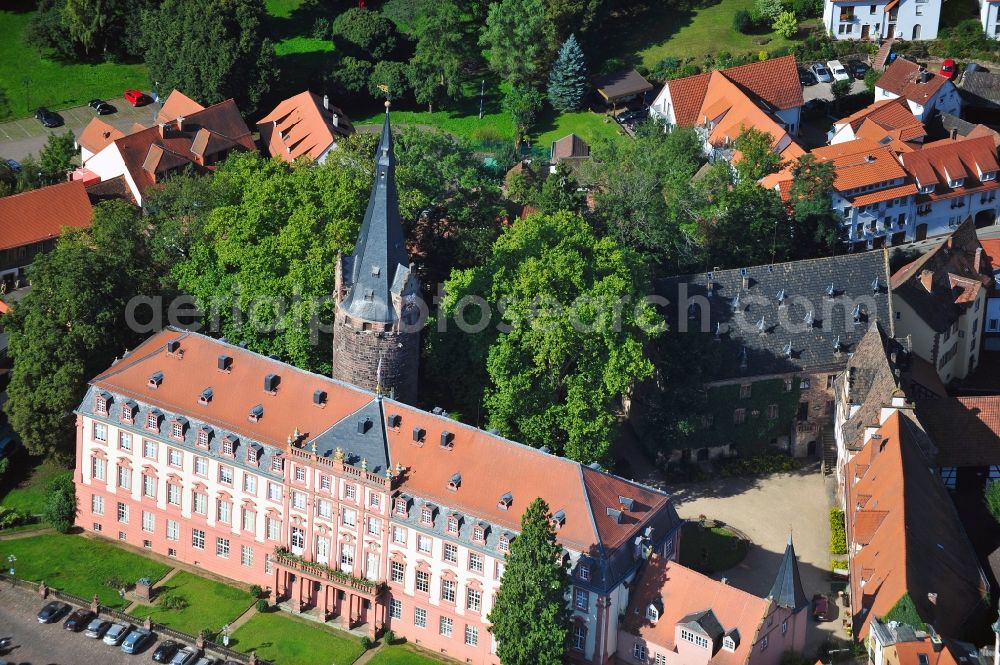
(530, 619)
(568, 78)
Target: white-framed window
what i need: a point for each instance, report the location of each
(581, 599)
(399, 535)
(350, 491)
(350, 517)
(177, 430)
(246, 555)
(325, 483)
(423, 581)
(661, 659)
(298, 538)
(173, 530)
(273, 528)
(124, 441)
(98, 468)
(148, 522)
(652, 614)
(374, 527)
(420, 617)
(175, 457)
(250, 483)
(446, 627)
(424, 544)
(200, 502)
(149, 449)
(473, 600)
(498, 568)
(396, 609)
(97, 504)
(222, 548)
(197, 539)
(148, 486)
(224, 511)
(300, 474)
(698, 640)
(579, 637)
(397, 572)
(476, 562)
(174, 494)
(324, 508)
(639, 651)
(299, 500)
(249, 520)
(125, 477)
(225, 474)
(583, 571)
(274, 491)
(763, 643)
(375, 500)
(449, 590)
(153, 421)
(471, 635)
(100, 432)
(347, 557)
(201, 466)
(450, 553)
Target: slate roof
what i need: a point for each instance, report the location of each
(787, 588)
(622, 84)
(40, 214)
(360, 436)
(981, 89)
(858, 280)
(704, 622)
(978, 420)
(951, 273)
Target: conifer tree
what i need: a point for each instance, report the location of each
(530, 619)
(568, 78)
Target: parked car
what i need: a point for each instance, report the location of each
(97, 628)
(116, 634)
(820, 607)
(137, 640)
(14, 165)
(207, 660)
(105, 109)
(165, 651)
(838, 71)
(806, 77)
(135, 97)
(857, 69)
(821, 73)
(185, 656)
(52, 612)
(949, 69)
(78, 620)
(47, 117)
(94, 103)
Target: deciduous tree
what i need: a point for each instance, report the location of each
(530, 619)
(365, 34)
(523, 103)
(57, 156)
(442, 47)
(514, 36)
(757, 155)
(60, 503)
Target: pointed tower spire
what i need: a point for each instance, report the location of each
(787, 589)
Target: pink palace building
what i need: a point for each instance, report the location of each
(353, 507)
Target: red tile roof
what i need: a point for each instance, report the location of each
(859, 163)
(687, 95)
(942, 161)
(905, 78)
(41, 214)
(776, 81)
(893, 116)
(978, 420)
(300, 125)
(177, 104)
(98, 135)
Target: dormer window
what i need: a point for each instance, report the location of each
(101, 404)
(926, 189)
(558, 518)
(652, 614)
(957, 182)
(153, 421)
(256, 413)
(128, 412)
(400, 506)
(228, 446)
(504, 544)
(478, 534)
(731, 640)
(205, 397)
(455, 482)
(418, 435)
(155, 380)
(989, 175)
(277, 464)
(394, 420)
(252, 455)
(505, 501)
(427, 516)
(202, 441)
(583, 571)
(177, 428)
(453, 524)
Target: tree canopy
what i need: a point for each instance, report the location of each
(514, 36)
(530, 619)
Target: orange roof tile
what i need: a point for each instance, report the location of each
(177, 104)
(41, 214)
(884, 194)
(5, 308)
(909, 653)
(861, 164)
(941, 161)
(776, 81)
(866, 523)
(98, 135)
(300, 125)
(687, 95)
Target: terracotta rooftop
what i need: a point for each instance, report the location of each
(177, 104)
(303, 125)
(941, 161)
(907, 79)
(919, 546)
(860, 163)
(892, 115)
(776, 81)
(978, 420)
(687, 95)
(41, 214)
(98, 135)
(678, 592)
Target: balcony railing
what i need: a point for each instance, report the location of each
(323, 572)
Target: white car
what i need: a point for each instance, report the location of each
(821, 72)
(838, 71)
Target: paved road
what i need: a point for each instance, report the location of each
(35, 644)
(19, 138)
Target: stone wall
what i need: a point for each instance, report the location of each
(356, 354)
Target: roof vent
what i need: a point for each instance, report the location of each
(761, 326)
(494, 431)
(747, 282)
(376, 271)
(616, 515)
(446, 439)
(271, 382)
(809, 318)
(319, 397)
(627, 502)
(857, 313)
(394, 420)
(596, 466)
(155, 380)
(876, 286)
(735, 302)
(558, 518)
(545, 449)
(718, 331)
(836, 345)
(418, 434)
(505, 501)
(173, 345)
(831, 292)
(692, 312)
(781, 298)
(364, 425)
(256, 413)
(225, 363)
(869, 159)
(455, 482)
(205, 397)
(788, 350)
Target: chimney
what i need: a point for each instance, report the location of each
(326, 102)
(163, 130)
(978, 262)
(335, 120)
(180, 123)
(953, 133)
(926, 279)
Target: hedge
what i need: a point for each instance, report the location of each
(838, 536)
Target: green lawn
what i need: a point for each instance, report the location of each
(288, 640)
(78, 565)
(26, 481)
(50, 83)
(710, 550)
(211, 604)
(405, 654)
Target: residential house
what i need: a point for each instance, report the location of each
(924, 91)
(764, 94)
(175, 106)
(939, 301)
(889, 118)
(905, 541)
(304, 125)
(895, 643)
(989, 16)
(980, 91)
(971, 460)
(32, 221)
(571, 150)
(885, 19)
(148, 156)
(677, 616)
(785, 331)
(991, 334)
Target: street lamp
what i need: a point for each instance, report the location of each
(11, 559)
(225, 636)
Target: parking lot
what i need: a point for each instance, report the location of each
(19, 138)
(50, 644)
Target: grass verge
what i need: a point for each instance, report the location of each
(710, 550)
(26, 482)
(285, 639)
(404, 654)
(210, 604)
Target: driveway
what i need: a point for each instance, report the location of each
(769, 509)
(19, 138)
(823, 91)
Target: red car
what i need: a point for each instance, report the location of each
(135, 97)
(820, 607)
(948, 69)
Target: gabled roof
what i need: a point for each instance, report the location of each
(942, 283)
(860, 163)
(570, 146)
(304, 124)
(490, 466)
(978, 420)
(40, 215)
(775, 81)
(683, 596)
(177, 104)
(857, 279)
(687, 95)
(908, 79)
(946, 160)
(621, 84)
(981, 89)
(787, 588)
(891, 115)
(98, 135)
(919, 548)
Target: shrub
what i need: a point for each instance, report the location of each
(115, 582)
(262, 605)
(664, 68)
(742, 22)
(871, 78)
(321, 28)
(838, 536)
(786, 25)
(256, 591)
(173, 602)
(11, 517)
(768, 10)
(60, 506)
(760, 464)
(390, 637)
(836, 564)
(4, 465)
(366, 642)
(992, 498)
